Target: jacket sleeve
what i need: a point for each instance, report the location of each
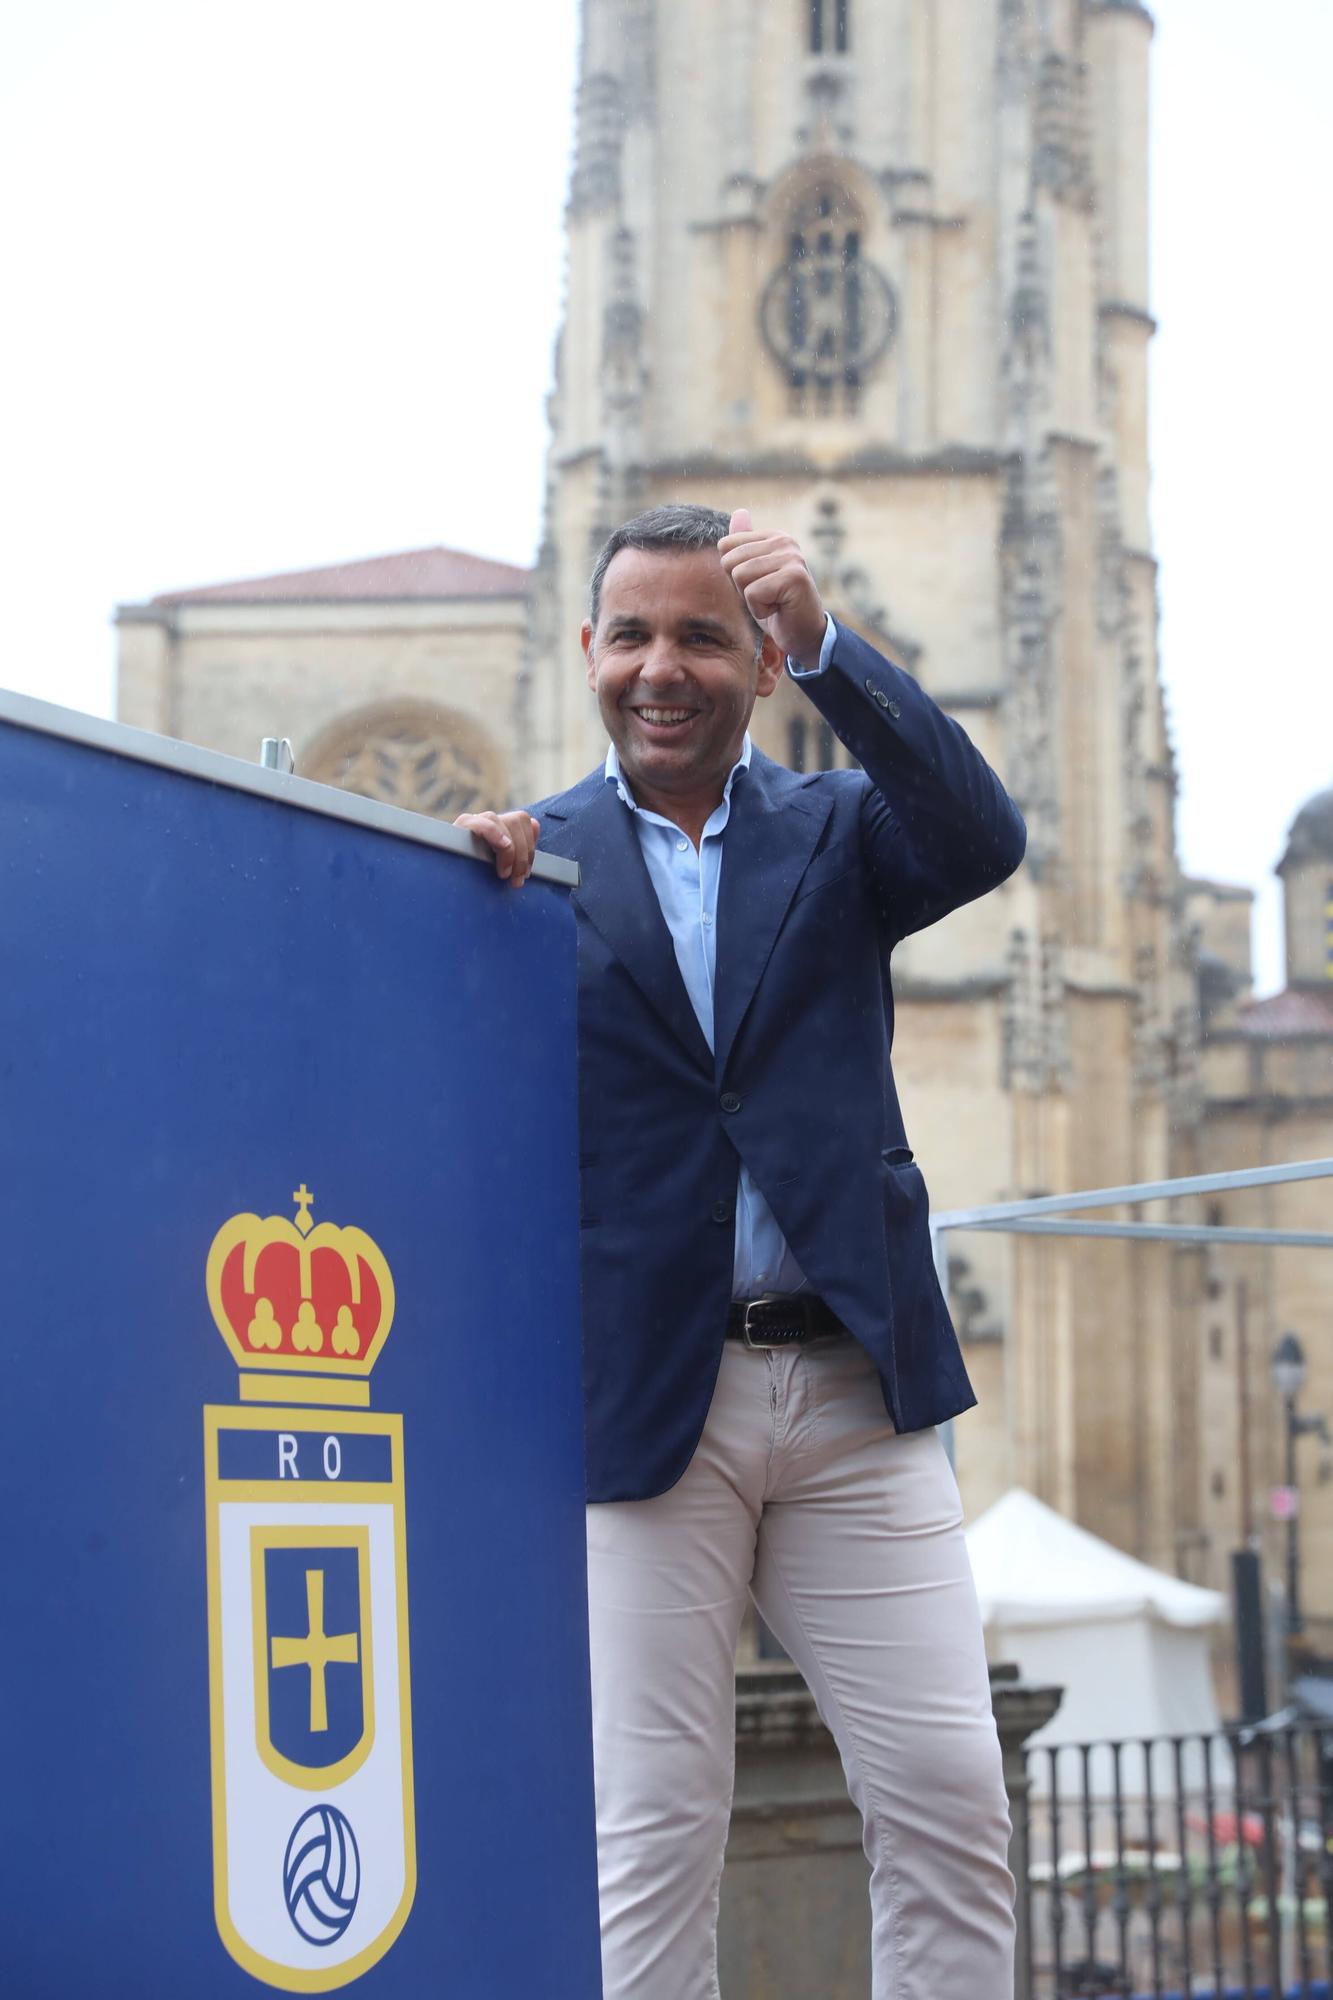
(938, 827)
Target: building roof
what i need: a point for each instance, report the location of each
(1299, 1010)
(412, 573)
(1311, 836)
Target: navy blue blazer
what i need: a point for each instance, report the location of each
(821, 876)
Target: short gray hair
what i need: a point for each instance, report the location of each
(680, 527)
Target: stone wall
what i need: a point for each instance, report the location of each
(427, 674)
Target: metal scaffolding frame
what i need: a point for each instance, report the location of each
(1044, 1215)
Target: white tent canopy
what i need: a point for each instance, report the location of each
(1129, 1644)
(1033, 1567)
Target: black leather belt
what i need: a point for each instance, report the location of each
(783, 1320)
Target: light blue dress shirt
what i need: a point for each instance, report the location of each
(686, 881)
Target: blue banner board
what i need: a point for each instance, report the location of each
(293, 1643)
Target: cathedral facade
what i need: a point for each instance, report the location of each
(877, 270)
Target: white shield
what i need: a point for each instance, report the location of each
(314, 1845)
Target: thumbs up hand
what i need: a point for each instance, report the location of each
(773, 578)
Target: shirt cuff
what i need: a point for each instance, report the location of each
(825, 654)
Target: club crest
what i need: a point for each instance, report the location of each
(314, 1839)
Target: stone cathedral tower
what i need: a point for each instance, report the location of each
(877, 269)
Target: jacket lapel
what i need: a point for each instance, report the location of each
(616, 895)
(771, 834)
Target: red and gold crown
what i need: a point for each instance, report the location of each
(303, 1298)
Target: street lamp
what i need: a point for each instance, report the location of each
(1288, 1367)
(1289, 1371)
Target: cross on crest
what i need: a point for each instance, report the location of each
(317, 1651)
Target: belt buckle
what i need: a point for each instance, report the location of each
(772, 1299)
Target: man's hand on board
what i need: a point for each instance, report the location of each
(511, 837)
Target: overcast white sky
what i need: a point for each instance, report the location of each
(282, 280)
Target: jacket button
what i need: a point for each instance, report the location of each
(729, 1101)
(870, 687)
(895, 709)
(722, 1211)
(881, 698)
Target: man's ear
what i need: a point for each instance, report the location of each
(772, 660)
(586, 637)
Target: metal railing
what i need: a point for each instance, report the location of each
(1181, 1866)
(1048, 1215)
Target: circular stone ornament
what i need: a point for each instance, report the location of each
(827, 313)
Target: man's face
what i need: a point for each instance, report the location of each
(676, 669)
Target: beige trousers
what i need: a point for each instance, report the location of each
(850, 1540)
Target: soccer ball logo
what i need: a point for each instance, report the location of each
(321, 1875)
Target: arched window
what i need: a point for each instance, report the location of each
(827, 313)
(829, 27)
(408, 753)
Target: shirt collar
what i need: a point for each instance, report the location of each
(615, 777)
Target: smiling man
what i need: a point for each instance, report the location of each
(767, 1351)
